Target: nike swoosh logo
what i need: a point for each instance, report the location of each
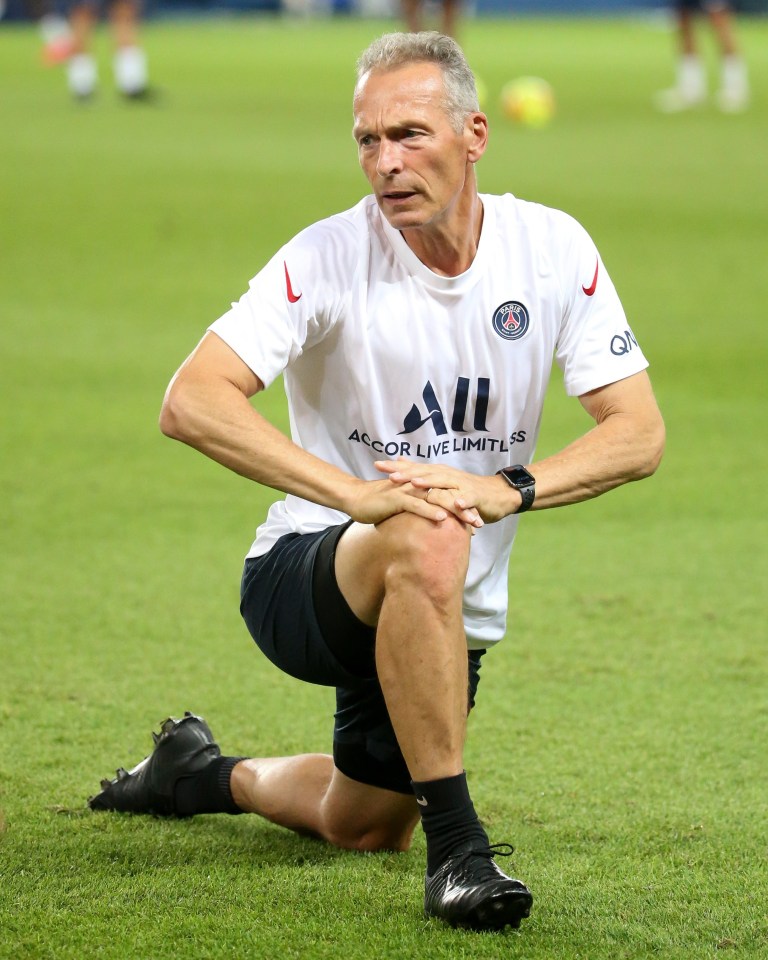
(591, 288)
(421, 801)
(292, 297)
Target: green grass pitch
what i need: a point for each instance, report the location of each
(621, 735)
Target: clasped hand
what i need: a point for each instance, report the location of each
(474, 499)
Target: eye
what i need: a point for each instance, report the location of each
(365, 141)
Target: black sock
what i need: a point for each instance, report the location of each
(448, 817)
(207, 791)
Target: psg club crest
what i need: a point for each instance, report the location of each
(511, 320)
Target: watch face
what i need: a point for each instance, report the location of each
(519, 476)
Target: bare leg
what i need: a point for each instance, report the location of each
(722, 24)
(124, 20)
(686, 32)
(82, 73)
(309, 795)
(407, 575)
(412, 14)
(733, 95)
(82, 20)
(690, 88)
(130, 63)
(451, 11)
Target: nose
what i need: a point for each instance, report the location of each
(389, 161)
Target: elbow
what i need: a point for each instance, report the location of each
(173, 415)
(653, 450)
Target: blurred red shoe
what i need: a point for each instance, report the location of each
(57, 39)
(57, 51)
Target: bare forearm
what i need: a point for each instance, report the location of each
(206, 406)
(217, 419)
(626, 444)
(615, 452)
(214, 416)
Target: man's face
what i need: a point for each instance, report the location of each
(413, 158)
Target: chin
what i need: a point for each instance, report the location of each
(405, 223)
(403, 219)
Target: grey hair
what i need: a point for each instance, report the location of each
(393, 50)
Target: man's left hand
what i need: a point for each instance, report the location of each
(448, 487)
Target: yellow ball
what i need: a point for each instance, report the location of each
(528, 100)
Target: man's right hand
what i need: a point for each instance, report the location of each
(206, 406)
(372, 501)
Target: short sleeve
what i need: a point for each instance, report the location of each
(290, 304)
(596, 345)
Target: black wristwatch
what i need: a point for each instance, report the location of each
(519, 478)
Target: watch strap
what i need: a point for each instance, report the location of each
(529, 495)
(527, 490)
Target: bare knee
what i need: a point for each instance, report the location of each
(384, 824)
(358, 816)
(430, 557)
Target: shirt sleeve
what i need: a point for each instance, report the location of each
(596, 345)
(289, 305)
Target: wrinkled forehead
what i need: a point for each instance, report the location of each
(413, 86)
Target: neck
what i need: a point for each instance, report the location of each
(448, 246)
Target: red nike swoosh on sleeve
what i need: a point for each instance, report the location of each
(292, 297)
(591, 288)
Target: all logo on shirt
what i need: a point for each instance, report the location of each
(468, 432)
(511, 320)
(415, 418)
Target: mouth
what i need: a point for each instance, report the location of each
(398, 196)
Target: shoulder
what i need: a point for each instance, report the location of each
(327, 253)
(340, 233)
(552, 242)
(536, 220)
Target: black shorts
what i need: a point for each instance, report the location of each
(294, 610)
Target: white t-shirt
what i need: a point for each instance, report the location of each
(384, 358)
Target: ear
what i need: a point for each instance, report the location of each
(476, 132)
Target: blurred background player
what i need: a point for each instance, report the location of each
(54, 30)
(691, 87)
(130, 60)
(413, 14)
